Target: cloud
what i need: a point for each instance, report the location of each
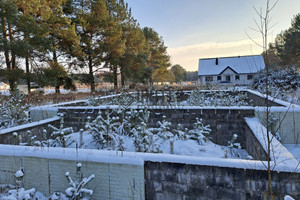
(188, 56)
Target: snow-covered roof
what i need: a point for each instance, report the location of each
(239, 64)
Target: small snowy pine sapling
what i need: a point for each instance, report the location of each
(164, 132)
(179, 133)
(15, 135)
(145, 140)
(76, 191)
(105, 130)
(19, 193)
(232, 146)
(13, 111)
(132, 121)
(197, 98)
(61, 134)
(200, 132)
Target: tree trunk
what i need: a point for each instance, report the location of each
(122, 77)
(57, 90)
(13, 59)
(115, 77)
(27, 64)
(91, 75)
(27, 74)
(6, 53)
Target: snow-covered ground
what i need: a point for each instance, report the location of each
(64, 91)
(294, 149)
(181, 147)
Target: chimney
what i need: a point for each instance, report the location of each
(217, 61)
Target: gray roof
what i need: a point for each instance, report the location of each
(240, 64)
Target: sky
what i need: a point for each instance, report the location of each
(194, 29)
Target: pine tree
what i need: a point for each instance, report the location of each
(104, 130)
(76, 191)
(159, 60)
(13, 111)
(91, 19)
(63, 39)
(200, 132)
(61, 134)
(19, 193)
(145, 140)
(164, 129)
(9, 41)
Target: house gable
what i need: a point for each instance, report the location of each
(228, 69)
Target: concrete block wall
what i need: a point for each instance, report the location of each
(259, 100)
(224, 122)
(114, 181)
(185, 181)
(253, 146)
(35, 128)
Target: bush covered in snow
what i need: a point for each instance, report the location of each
(145, 140)
(60, 134)
(200, 132)
(13, 111)
(280, 82)
(76, 190)
(19, 193)
(105, 129)
(218, 98)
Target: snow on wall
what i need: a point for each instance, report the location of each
(281, 102)
(116, 176)
(280, 156)
(29, 125)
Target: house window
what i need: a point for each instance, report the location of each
(219, 78)
(249, 77)
(228, 78)
(237, 77)
(208, 78)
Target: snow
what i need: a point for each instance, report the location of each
(135, 158)
(87, 155)
(19, 174)
(281, 102)
(78, 165)
(241, 64)
(64, 91)
(290, 108)
(288, 197)
(29, 125)
(279, 154)
(293, 149)
(181, 147)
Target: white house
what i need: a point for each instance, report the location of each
(235, 70)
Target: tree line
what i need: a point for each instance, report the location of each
(285, 51)
(50, 38)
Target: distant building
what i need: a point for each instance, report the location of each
(4, 86)
(233, 70)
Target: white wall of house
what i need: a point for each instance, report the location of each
(243, 78)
